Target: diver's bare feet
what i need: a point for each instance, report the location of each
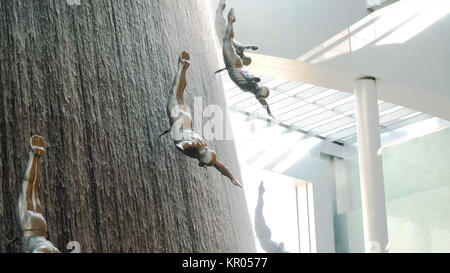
(231, 16)
(184, 59)
(37, 144)
(222, 5)
(261, 188)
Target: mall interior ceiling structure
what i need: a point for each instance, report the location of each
(404, 45)
(311, 55)
(320, 112)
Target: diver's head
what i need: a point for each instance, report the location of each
(246, 60)
(207, 157)
(263, 92)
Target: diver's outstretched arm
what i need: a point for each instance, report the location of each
(242, 47)
(224, 171)
(265, 105)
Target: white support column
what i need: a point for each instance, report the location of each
(370, 166)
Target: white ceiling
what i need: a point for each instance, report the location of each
(405, 46)
(289, 28)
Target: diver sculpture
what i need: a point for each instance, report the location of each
(186, 140)
(234, 65)
(32, 222)
(221, 25)
(262, 230)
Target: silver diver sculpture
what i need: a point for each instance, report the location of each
(32, 221)
(221, 25)
(262, 230)
(185, 139)
(234, 65)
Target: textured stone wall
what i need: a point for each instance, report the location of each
(93, 79)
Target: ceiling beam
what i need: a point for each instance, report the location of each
(404, 94)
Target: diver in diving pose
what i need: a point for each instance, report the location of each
(221, 25)
(234, 65)
(32, 222)
(186, 140)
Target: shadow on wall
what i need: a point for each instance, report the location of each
(262, 230)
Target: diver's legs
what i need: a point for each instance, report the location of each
(38, 148)
(183, 64)
(25, 198)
